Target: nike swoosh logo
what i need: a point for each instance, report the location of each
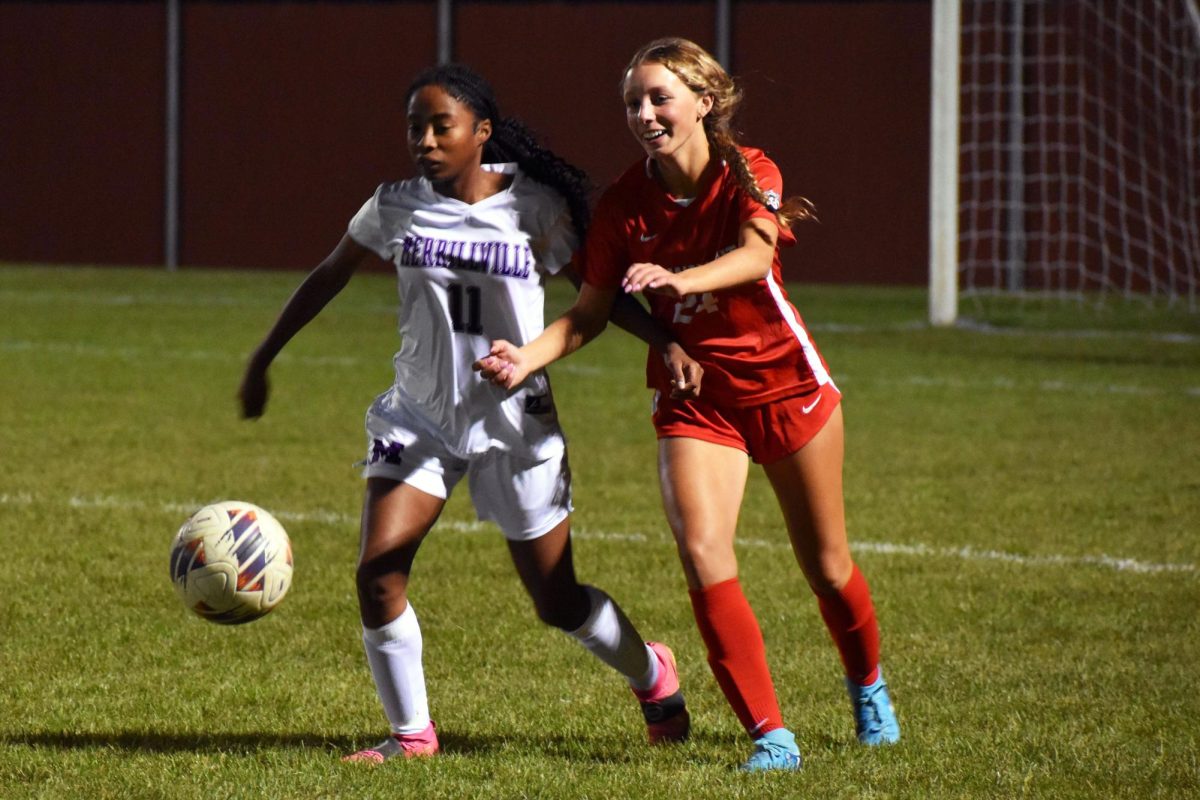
(810, 406)
(646, 238)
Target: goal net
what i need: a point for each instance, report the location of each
(1078, 150)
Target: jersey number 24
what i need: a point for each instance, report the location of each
(694, 304)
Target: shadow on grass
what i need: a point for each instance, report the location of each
(702, 747)
(603, 750)
(171, 742)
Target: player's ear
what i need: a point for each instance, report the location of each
(706, 104)
(483, 130)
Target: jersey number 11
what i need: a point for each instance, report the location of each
(465, 308)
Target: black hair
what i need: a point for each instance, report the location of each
(511, 140)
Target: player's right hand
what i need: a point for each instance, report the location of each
(686, 373)
(252, 394)
(503, 365)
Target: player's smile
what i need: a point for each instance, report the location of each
(662, 111)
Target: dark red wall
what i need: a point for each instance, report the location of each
(570, 94)
(82, 104)
(838, 94)
(291, 116)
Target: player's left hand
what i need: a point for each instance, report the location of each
(644, 277)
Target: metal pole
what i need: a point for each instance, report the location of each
(445, 31)
(943, 165)
(1015, 201)
(171, 193)
(724, 33)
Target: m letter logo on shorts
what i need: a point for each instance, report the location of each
(385, 451)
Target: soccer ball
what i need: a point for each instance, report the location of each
(231, 562)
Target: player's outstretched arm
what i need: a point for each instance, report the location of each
(321, 286)
(508, 365)
(631, 316)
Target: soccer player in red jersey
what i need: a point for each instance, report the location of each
(697, 227)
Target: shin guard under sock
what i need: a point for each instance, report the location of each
(849, 615)
(737, 655)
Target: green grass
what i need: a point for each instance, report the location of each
(1025, 505)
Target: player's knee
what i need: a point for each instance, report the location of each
(828, 572)
(377, 590)
(704, 554)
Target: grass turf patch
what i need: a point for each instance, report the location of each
(1024, 504)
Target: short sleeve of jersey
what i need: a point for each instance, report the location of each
(766, 173)
(366, 227)
(605, 256)
(557, 240)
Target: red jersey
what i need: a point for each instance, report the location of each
(750, 339)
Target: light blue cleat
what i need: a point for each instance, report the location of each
(874, 715)
(775, 750)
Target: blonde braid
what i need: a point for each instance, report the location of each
(790, 210)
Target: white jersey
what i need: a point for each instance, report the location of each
(468, 274)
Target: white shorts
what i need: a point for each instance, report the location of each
(525, 498)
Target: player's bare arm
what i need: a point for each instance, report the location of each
(321, 286)
(686, 372)
(631, 316)
(507, 365)
(750, 261)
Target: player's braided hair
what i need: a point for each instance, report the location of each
(704, 75)
(511, 140)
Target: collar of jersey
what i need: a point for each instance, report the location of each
(711, 176)
(504, 167)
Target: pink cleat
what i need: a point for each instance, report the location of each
(402, 745)
(666, 715)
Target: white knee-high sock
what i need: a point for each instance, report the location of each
(609, 635)
(394, 654)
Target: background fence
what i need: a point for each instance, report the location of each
(291, 114)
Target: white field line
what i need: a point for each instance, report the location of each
(939, 381)
(160, 299)
(137, 353)
(93, 298)
(1009, 384)
(199, 300)
(1166, 337)
(964, 553)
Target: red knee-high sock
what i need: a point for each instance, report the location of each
(737, 655)
(850, 617)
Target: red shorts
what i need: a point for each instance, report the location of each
(767, 432)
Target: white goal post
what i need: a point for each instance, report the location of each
(1065, 151)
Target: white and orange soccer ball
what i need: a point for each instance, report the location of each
(231, 562)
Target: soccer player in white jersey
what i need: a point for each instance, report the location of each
(472, 237)
(697, 225)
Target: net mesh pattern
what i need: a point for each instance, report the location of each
(1080, 149)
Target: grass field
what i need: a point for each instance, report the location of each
(1025, 501)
